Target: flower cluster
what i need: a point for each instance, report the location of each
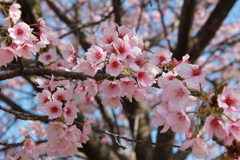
(131, 70)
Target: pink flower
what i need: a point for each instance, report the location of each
(111, 88)
(51, 37)
(123, 30)
(15, 12)
(72, 133)
(160, 113)
(23, 154)
(192, 74)
(137, 63)
(176, 94)
(73, 149)
(26, 50)
(69, 53)
(48, 57)
(162, 56)
(46, 83)
(139, 94)
(56, 130)
(233, 128)
(20, 33)
(179, 122)
(128, 85)
(86, 67)
(28, 144)
(229, 100)
(114, 67)
(145, 78)
(95, 54)
(84, 138)
(92, 86)
(198, 145)
(165, 78)
(41, 23)
(39, 149)
(70, 112)
(53, 109)
(62, 94)
(87, 127)
(214, 125)
(6, 55)
(122, 48)
(108, 36)
(112, 102)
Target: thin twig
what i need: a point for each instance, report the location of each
(134, 140)
(25, 116)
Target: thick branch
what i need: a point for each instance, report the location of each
(208, 30)
(50, 71)
(184, 33)
(118, 11)
(161, 152)
(135, 110)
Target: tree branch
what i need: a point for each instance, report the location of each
(118, 11)
(134, 140)
(25, 116)
(208, 30)
(186, 20)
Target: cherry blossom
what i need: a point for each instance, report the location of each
(161, 57)
(108, 36)
(192, 74)
(128, 85)
(198, 145)
(26, 50)
(53, 109)
(122, 47)
(62, 95)
(111, 88)
(70, 112)
(15, 12)
(215, 126)
(20, 33)
(95, 54)
(176, 94)
(48, 57)
(87, 67)
(114, 68)
(112, 102)
(145, 78)
(28, 144)
(179, 122)
(229, 100)
(6, 55)
(92, 86)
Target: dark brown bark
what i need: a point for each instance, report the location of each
(118, 11)
(208, 30)
(137, 114)
(163, 153)
(184, 34)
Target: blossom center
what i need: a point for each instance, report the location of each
(110, 40)
(115, 64)
(229, 101)
(19, 32)
(54, 109)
